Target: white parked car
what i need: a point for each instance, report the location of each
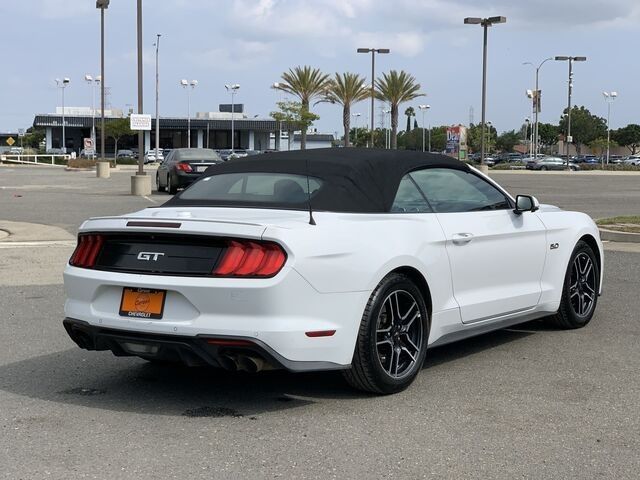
(152, 156)
(632, 160)
(344, 259)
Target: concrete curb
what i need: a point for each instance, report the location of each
(613, 236)
(32, 232)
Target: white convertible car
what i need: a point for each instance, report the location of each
(328, 259)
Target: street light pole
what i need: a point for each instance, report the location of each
(485, 23)
(609, 97)
(186, 84)
(536, 105)
(102, 5)
(564, 58)
(232, 89)
(373, 52)
(92, 81)
(62, 84)
(356, 116)
(158, 35)
(423, 109)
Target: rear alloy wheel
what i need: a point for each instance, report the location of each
(392, 341)
(580, 291)
(159, 187)
(172, 186)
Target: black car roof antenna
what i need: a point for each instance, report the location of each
(311, 220)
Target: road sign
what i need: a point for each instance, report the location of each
(88, 143)
(21, 132)
(140, 121)
(10, 141)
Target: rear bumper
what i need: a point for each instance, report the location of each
(201, 350)
(185, 179)
(276, 313)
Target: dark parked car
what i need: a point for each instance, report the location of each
(125, 154)
(551, 163)
(183, 166)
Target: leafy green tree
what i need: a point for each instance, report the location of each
(474, 137)
(306, 83)
(548, 134)
(33, 137)
(585, 127)
(396, 88)
(507, 140)
(346, 89)
(116, 129)
(409, 112)
(599, 146)
(293, 116)
(628, 136)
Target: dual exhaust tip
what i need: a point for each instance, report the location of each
(244, 363)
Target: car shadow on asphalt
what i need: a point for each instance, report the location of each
(100, 380)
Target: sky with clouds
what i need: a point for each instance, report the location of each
(251, 42)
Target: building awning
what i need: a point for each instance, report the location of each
(166, 123)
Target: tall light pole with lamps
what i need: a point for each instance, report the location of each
(62, 85)
(356, 116)
(373, 52)
(609, 97)
(528, 139)
(189, 86)
(423, 109)
(157, 45)
(92, 82)
(102, 5)
(485, 23)
(570, 60)
(536, 104)
(232, 89)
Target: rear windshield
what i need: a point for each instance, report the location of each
(202, 154)
(253, 189)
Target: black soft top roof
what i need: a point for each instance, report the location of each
(354, 179)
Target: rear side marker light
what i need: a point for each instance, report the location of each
(244, 258)
(87, 251)
(320, 333)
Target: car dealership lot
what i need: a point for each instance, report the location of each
(526, 402)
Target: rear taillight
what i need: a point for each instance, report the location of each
(87, 251)
(245, 258)
(183, 167)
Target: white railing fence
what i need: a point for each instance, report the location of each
(48, 160)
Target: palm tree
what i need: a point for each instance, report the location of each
(409, 112)
(306, 83)
(345, 90)
(396, 88)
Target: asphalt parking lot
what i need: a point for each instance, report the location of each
(526, 402)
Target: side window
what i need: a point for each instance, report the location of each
(409, 199)
(450, 190)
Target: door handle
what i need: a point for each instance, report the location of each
(461, 238)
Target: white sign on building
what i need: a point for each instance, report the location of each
(140, 121)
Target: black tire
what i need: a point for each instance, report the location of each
(172, 187)
(543, 168)
(368, 371)
(159, 187)
(569, 315)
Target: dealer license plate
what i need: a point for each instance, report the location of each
(142, 302)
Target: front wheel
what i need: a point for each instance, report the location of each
(392, 340)
(580, 289)
(543, 168)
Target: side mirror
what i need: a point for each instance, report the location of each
(526, 203)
